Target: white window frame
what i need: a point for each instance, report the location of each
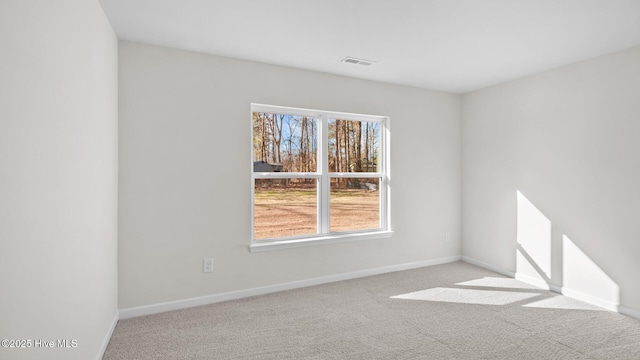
(323, 176)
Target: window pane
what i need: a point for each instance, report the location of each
(353, 145)
(284, 143)
(354, 204)
(284, 207)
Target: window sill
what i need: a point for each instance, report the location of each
(321, 240)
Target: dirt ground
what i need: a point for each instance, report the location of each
(280, 213)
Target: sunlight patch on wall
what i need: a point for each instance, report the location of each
(582, 275)
(467, 296)
(533, 255)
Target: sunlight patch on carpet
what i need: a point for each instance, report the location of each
(563, 303)
(498, 282)
(467, 296)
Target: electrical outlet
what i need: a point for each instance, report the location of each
(207, 265)
(447, 236)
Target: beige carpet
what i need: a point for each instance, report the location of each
(451, 311)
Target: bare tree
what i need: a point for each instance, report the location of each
(358, 149)
(338, 127)
(260, 137)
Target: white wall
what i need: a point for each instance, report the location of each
(569, 141)
(58, 176)
(185, 173)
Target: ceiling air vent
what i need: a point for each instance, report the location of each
(352, 60)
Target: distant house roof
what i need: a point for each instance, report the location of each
(263, 166)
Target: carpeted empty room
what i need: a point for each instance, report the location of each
(450, 311)
(319, 179)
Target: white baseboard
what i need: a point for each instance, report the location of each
(629, 312)
(107, 337)
(538, 282)
(578, 295)
(484, 265)
(590, 299)
(127, 313)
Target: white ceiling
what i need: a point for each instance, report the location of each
(449, 45)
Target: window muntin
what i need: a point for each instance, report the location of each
(302, 159)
